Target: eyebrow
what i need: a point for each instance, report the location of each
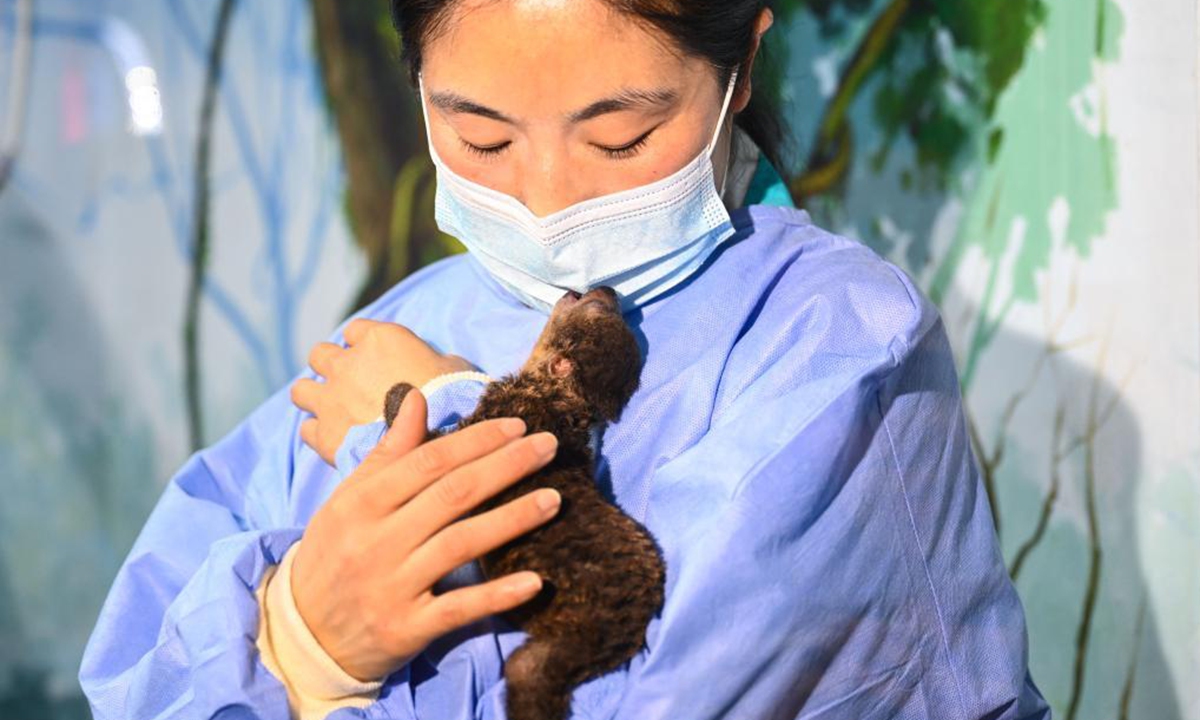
(627, 99)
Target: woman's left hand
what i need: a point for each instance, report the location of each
(357, 377)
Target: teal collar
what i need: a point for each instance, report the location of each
(767, 186)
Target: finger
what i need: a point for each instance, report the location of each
(357, 329)
(459, 490)
(416, 470)
(306, 395)
(331, 433)
(322, 356)
(473, 537)
(308, 433)
(452, 610)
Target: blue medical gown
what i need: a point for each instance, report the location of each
(797, 446)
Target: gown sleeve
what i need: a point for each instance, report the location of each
(176, 634)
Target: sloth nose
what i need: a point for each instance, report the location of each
(568, 299)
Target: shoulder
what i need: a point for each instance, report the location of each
(835, 288)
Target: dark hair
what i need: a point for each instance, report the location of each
(718, 31)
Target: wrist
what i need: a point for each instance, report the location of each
(315, 668)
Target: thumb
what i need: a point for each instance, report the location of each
(408, 428)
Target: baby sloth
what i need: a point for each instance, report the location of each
(602, 572)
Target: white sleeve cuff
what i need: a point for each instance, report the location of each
(441, 381)
(316, 684)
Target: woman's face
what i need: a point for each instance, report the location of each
(558, 101)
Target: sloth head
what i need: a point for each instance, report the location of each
(588, 352)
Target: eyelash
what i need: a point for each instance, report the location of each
(614, 153)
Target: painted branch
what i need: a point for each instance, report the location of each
(829, 159)
(200, 238)
(1048, 502)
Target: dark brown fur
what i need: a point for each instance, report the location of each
(603, 573)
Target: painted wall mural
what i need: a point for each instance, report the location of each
(199, 191)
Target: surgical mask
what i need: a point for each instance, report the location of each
(641, 242)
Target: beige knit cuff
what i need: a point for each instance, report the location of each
(316, 684)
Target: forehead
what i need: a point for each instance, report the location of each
(549, 55)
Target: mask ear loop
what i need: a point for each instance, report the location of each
(433, 154)
(717, 133)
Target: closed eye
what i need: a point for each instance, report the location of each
(628, 150)
(487, 152)
(618, 153)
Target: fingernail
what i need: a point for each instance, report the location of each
(545, 443)
(525, 585)
(512, 427)
(548, 500)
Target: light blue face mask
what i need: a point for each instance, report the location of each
(641, 242)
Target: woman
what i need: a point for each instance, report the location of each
(796, 446)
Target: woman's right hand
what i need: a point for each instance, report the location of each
(363, 573)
